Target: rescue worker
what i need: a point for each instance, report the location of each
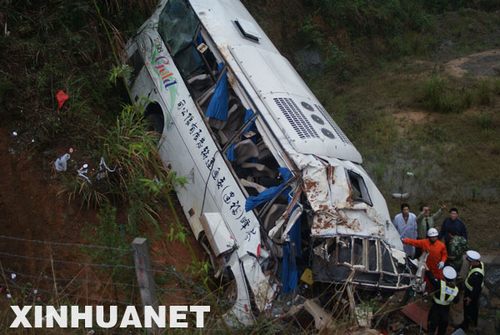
(436, 249)
(473, 285)
(445, 292)
(406, 224)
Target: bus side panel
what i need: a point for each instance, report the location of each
(175, 154)
(194, 145)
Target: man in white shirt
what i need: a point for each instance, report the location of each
(406, 224)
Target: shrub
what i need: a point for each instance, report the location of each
(483, 93)
(485, 121)
(139, 181)
(310, 34)
(496, 87)
(438, 96)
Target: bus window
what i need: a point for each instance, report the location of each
(358, 187)
(178, 27)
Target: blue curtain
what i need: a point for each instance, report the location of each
(267, 195)
(199, 39)
(219, 104)
(248, 115)
(289, 272)
(291, 250)
(230, 154)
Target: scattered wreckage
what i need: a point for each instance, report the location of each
(276, 190)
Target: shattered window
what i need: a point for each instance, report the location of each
(177, 25)
(357, 252)
(137, 63)
(372, 255)
(344, 250)
(387, 264)
(358, 186)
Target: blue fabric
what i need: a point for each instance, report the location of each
(267, 195)
(230, 154)
(286, 175)
(248, 115)
(199, 39)
(289, 272)
(264, 196)
(251, 126)
(219, 104)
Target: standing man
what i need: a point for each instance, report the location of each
(436, 249)
(473, 285)
(425, 221)
(452, 226)
(406, 224)
(454, 233)
(446, 292)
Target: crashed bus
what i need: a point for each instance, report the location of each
(275, 186)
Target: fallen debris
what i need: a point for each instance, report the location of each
(103, 170)
(82, 172)
(322, 319)
(61, 98)
(61, 163)
(417, 312)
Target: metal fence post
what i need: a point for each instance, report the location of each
(144, 274)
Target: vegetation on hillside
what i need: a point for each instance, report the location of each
(74, 46)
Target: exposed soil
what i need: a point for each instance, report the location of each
(29, 205)
(32, 208)
(482, 64)
(412, 116)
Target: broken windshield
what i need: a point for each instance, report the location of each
(177, 25)
(358, 188)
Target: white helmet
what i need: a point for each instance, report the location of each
(432, 232)
(449, 273)
(473, 255)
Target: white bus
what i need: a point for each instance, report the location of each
(275, 187)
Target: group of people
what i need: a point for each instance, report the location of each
(444, 251)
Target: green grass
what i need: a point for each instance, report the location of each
(484, 93)
(440, 96)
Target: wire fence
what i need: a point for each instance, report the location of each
(47, 276)
(37, 272)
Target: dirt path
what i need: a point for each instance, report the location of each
(482, 64)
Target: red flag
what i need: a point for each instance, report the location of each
(61, 98)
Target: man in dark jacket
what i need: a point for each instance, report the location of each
(452, 226)
(473, 285)
(454, 233)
